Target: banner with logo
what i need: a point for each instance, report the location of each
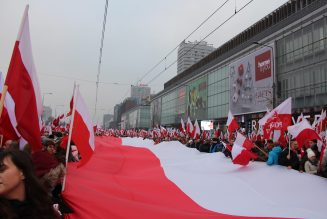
(251, 80)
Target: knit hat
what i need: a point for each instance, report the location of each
(310, 153)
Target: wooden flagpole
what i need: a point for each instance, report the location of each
(3, 96)
(70, 134)
(261, 150)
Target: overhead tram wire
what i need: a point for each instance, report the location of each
(166, 68)
(86, 80)
(100, 56)
(163, 59)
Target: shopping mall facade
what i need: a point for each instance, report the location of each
(283, 55)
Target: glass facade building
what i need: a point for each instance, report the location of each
(289, 59)
(136, 118)
(302, 65)
(218, 93)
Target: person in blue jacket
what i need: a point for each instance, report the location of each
(273, 155)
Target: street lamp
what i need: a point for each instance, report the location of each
(49, 93)
(272, 68)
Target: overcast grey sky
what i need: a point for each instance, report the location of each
(66, 41)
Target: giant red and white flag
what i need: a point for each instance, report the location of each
(231, 123)
(138, 179)
(277, 119)
(303, 132)
(241, 150)
(23, 86)
(82, 130)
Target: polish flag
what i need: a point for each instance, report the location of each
(303, 132)
(7, 120)
(196, 130)
(231, 123)
(23, 86)
(140, 180)
(277, 119)
(217, 132)
(241, 150)
(82, 130)
(182, 126)
(301, 117)
(189, 126)
(204, 135)
(321, 123)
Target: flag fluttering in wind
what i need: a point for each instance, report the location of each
(217, 132)
(82, 128)
(320, 126)
(23, 86)
(196, 130)
(189, 127)
(277, 119)
(303, 132)
(241, 150)
(7, 120)
(231, 123)
(182, 126)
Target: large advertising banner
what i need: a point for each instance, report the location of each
(156, 112)
(197, 98)
(251, 80)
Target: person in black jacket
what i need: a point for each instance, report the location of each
(290, 158)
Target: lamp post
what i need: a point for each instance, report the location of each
(49, 93)
(272, 69)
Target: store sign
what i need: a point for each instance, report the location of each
(263, 66)
(251, 80)
(206, 125)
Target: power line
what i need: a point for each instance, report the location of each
(166, 68)
(100, 56)
(164, 59)
(86, 80)
(169, 53)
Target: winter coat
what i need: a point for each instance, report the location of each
(311, 167)
(294, 161)
(273, 155)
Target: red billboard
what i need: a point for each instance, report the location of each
(263, 66)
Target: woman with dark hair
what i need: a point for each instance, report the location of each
(21, 194)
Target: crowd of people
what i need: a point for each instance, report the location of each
(31, 183)
(306, 158)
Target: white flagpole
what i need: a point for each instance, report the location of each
(70, 133)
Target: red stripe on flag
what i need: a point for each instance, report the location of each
(81, 136)
(20, 87)
(128, 182)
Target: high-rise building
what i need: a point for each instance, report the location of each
(107, 118)
(46, 114)
(190, 53)
(140, 92)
